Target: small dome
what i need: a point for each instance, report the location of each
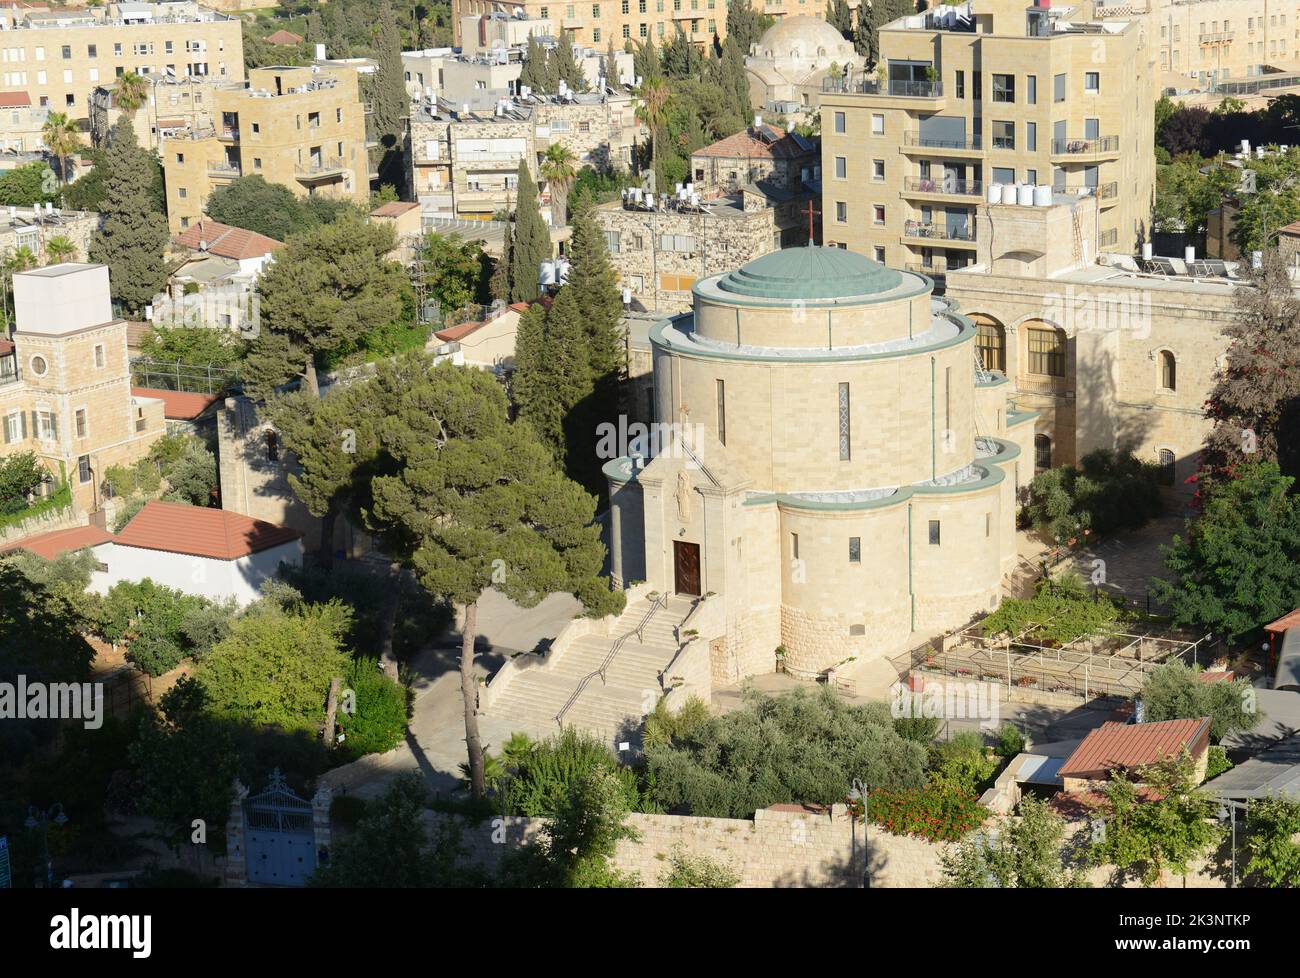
(810, 273)
(799, 34)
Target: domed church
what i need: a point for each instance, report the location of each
(832, 471)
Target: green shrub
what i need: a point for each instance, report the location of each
(1109, 492)
(545, 776)
(347, 810)
(1059, 612)
(379, 723)
(963, 764)
(1010, 742)
(802, 747)
(662, 726)
(940, 813)
(686, 871)
(1217, 762)
(921, 730)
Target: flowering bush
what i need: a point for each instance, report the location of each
(938, 813)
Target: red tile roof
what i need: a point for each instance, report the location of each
(179, 405)
(394, 208)
(56, 542)
(217, 533)
(745, 145)
(458, 332)
(13, 100)
(226, 241)
(1124, 745)
(1291, 617)
(283, 37)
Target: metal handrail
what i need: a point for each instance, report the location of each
(655, 605)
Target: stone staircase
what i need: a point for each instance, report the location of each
(571, 687)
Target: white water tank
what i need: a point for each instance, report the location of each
(1245, 146)
(1146, 250)
(320, 52)
(1257, 259)
(1025, 194)
(1043, 195)
(995, 193)
(1189, 253)
(546, 274)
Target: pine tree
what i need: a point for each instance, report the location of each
(734, 80)
(532, 244)
(566, 67)
(133, 234)
(390, 101)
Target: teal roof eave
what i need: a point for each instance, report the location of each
(1017, 417)
(997, 381)
(991, 477)
(965, 334)
(808, 273)
(721, 298)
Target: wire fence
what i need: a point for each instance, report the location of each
(188, 377)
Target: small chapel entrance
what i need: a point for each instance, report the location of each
(686, 567)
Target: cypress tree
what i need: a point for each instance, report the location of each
(594, 280)
(532, 244)
(611, 68)
(645, 61)
(499, 285)
(533, 73)
(566, 67)
(552, 73)
(552, 375)
(133, 234)
(390, 101)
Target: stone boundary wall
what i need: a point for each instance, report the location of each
(782, 846)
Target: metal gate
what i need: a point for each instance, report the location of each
(279, 841)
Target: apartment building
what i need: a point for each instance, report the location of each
(303, 127)
(478, 78)
(973, 99)
(660, 249)
(466, 164)
(65, 381)
(1214, 41)
(35, 227)
(600, 23)
(173, 105)
(58, 55)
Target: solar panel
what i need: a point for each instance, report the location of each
(802, 142)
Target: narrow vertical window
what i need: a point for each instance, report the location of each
(722, 412)
(855, 550)
(794, 546)
(844, 422)
(934, 533)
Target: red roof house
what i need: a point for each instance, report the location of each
(1132, 746)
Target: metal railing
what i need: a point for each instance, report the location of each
(927, 185)
(223, 169)
(1085, 147)
(322, 168)
(870, 86)
(655, 605)
(916, 139)
(918, 229)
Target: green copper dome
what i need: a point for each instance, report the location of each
(810, 273)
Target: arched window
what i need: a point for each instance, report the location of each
(1046, 351)
(1042, 453)
(991, 343)
(1168, 371)
(1168, 471)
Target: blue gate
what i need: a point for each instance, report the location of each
(279, 841)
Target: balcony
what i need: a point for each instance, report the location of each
(936, 270)
(1217, 37)
(943, 187)
(928, 94)
(229, 133)
(1086, 149)
(914, 142)
(224, 170)
(332, 168)
(939, 233)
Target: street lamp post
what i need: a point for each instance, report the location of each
(860, 793)
(1228, 809)
(36, 817)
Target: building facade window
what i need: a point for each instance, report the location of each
(845, 432)
(1168, 371)
(855, 550)
(1004, 88)
(1046, 352)
(991, 345)
(934, 533)
(722, 411)
(1042, 453)
(841, 167)
(839, 122)
(1168, 467)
